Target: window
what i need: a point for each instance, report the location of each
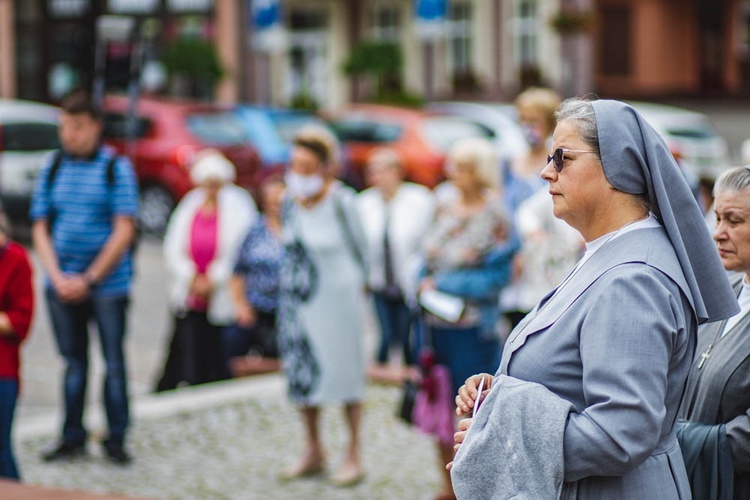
(67, 8)
(29, 137)
(745, 28)
(460, 41)
(366, 131)
(442, 131)
(218, 128)
(387, 24)
(526, 33)
(288, 124)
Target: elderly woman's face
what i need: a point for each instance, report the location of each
(304, 162)
(382, 175)
(272, 193)
(535, 120)
(580, 191)
(212, 186)
(463, 174)
(732, 233)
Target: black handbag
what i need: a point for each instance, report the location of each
(298, 275)
(408, 396)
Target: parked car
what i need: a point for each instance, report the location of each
(271, 130)
(168, 134)
(421, 137)
(28, 133)
(690, 136)
(498, 118)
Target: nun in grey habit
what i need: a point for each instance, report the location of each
(616, 338)
(717, 397)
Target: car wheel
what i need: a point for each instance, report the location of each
(156, 206)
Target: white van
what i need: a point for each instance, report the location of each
(28, 133)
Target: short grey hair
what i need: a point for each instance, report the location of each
(581, 113)
(733, 180)
(211, 164)
(481, 154)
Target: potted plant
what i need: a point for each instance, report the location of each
(568, 22)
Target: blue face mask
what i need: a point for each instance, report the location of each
(303, 186)
(532, 135)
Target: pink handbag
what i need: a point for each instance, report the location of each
(434, 405)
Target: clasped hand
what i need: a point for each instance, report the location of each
(71, 288)
(468, 396)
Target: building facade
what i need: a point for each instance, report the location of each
(480, 49)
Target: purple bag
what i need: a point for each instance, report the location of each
(434, 404)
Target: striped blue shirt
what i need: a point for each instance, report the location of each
(80, 206)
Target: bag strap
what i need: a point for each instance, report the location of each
(289, 218)
(351, 242)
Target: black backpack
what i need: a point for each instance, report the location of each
(110, 182)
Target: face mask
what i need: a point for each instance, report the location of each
(303, 186)
(532, 135)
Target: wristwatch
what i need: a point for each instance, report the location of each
(88, 278)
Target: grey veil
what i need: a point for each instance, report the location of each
(636, 160)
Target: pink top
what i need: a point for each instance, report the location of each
(203, 243)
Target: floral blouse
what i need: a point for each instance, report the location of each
(259, 261)
(458, 241)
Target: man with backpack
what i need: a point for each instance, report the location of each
(84, 214)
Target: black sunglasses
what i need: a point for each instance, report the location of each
(557, 157)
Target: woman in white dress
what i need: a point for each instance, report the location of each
(322, 292)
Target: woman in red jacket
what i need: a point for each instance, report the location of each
(16, 309)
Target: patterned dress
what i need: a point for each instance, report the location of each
(321, 301)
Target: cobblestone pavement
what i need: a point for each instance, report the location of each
(230, 441)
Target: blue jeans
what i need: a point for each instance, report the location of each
(70, 323)
(465, 352)
(8, 396)
(395, 326)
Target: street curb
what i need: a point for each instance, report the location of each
(165, 404)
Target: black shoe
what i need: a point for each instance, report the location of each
(117, 453)
(64, 451)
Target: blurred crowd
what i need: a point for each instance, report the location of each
(448, 273)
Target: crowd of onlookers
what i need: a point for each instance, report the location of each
(448, 273)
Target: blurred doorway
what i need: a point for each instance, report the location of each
(307, 72)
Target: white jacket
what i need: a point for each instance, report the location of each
(412, 211)
(236, 213)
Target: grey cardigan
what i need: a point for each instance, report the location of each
(514, 447)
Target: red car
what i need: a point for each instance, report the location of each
(421, 137)
(168, 134)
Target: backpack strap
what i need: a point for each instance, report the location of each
(111, 164)
(58, 154)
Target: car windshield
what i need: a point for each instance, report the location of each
(217, 128)
(288, 124)
(696, 129)
(442, 131)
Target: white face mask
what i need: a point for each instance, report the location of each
(303, 186)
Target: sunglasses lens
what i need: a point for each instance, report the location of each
(557, 159)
